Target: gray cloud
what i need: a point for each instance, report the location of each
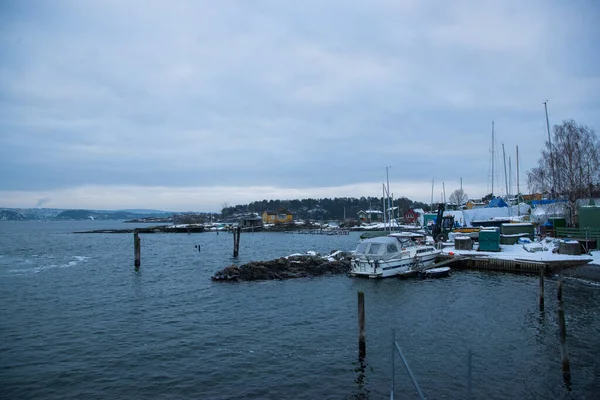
(243, 95)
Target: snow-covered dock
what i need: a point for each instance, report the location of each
(527, 257)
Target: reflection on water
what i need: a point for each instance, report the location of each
(361, 367)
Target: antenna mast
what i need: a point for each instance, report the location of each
(550, 148)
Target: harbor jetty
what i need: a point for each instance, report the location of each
(153, 229)
(293, 266)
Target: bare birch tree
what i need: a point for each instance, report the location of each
(458, 197)
(575, 156)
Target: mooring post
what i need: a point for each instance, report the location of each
(542, 288)
(136, 249)
(235, 254)
(362, 345)
(237, 242)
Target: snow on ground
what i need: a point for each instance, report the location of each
(519, 252)
(596, 256)
(385, 226)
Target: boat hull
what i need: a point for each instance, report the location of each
(440, 272)
(394, 267)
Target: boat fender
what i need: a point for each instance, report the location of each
(451, 253)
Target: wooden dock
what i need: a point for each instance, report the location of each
(498, 264)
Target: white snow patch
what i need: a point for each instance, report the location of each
(595, 257)
(518, 252)
(567, 241)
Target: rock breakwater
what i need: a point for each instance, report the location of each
(293, 266)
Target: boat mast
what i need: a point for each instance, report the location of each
(510, 182)
(492, 159)
(431, 207)
(505, 177)
(518, 189)
(384, 210)
(392, 216)
(387, 178)
(444, 191)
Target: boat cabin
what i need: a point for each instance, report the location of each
(381, 247)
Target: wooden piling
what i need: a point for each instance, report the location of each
(541, 288)
(137, 250)
(236, 240)
(362, 345)
(234, 234)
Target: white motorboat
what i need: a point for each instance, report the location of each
(387, 256)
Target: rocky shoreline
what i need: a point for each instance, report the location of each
(312, 265)
(294, 266)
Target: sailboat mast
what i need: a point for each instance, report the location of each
(492, 159)
(506, 179)
(444, 189)
(431, 208)
(553, 188)
(392, 216)
(387, 178)
(510, 182)
(384, 210)
(518, 189)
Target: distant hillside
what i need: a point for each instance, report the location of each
(10, 215)
(336, 208)
(97, 215)
(147, 212)
(33, 214)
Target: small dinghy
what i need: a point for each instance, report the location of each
(440, 272)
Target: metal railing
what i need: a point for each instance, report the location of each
(396, 348)
(578, 233)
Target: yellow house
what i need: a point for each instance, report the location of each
(532, 197)
(474, 204)
(271, 217)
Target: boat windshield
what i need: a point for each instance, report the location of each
(361, 248)
(376, 248)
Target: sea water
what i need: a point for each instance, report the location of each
(78, 321)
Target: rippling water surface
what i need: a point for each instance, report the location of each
(78, 322)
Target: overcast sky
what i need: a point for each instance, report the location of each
(188, 105)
